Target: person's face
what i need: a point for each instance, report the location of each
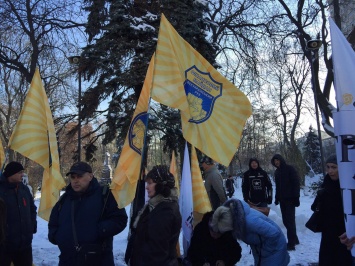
(150, 187)
(16, 178)
(80, 183)
(254, 165)
(332, 171)
(277, 162)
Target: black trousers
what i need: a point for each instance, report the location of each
(288, 211)
(21, 257)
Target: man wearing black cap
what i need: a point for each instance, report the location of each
(213, 183)
(84, 220)
(21, 215)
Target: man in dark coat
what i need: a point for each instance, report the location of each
(85, 217)
(21, 215)
(256, 186)
(287, 194)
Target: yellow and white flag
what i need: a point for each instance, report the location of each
(173, 170)
(213, 110)
(126, 174)
(202, 203)
(34, 137)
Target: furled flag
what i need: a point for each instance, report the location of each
(201, 201)
(213, 110)
(2, 157)
(186, 201)
(126, 174)
(34, 137)
(344, 127)
(173, 170)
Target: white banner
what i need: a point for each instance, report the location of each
(344, 125)
(185, 201)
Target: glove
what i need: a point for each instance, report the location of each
(276, 202)
(296, 202)
(269, 200)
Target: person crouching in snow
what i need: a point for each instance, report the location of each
(267, 241)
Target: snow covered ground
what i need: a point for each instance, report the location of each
(306, 252)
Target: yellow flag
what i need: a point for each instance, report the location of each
(173, 170)
(200, 198)
(126, 174)
(2, 156)
(213, 110)
(34, 137)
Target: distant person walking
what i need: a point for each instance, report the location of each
(20, 215)
(230, 186)
(256, 186)
(213, 183)
(287, 194)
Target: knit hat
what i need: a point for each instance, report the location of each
(222, 220)
(80, 168)
(160, 174)
(332, 159)
(12, 168)
(207, 160)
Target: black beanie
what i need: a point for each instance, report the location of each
(12, 168)
(332, 159)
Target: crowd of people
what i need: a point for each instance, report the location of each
(86, 218)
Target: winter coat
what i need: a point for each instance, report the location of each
(204, 248)
(156, 233)
(90, 228)
(331, 251)
(256, 186)
(21, 213)
(287, 182)
(214, 187)
(264, 236)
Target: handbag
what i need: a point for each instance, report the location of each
(315, 223)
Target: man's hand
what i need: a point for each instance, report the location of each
(220, 263)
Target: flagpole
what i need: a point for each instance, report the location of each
(3, 165)
(139, 199)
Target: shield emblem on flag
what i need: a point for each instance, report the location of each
(136, 132)
(201, 91)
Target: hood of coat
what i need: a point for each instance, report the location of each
(238, 210)
(278, 157)
(254, 160)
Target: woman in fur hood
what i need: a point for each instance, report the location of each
(264, 236)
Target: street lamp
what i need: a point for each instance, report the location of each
(75, 60)
(313, 46)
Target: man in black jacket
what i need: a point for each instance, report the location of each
(256, 186)
(21, 215)
(287, 194)
(84, 220)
